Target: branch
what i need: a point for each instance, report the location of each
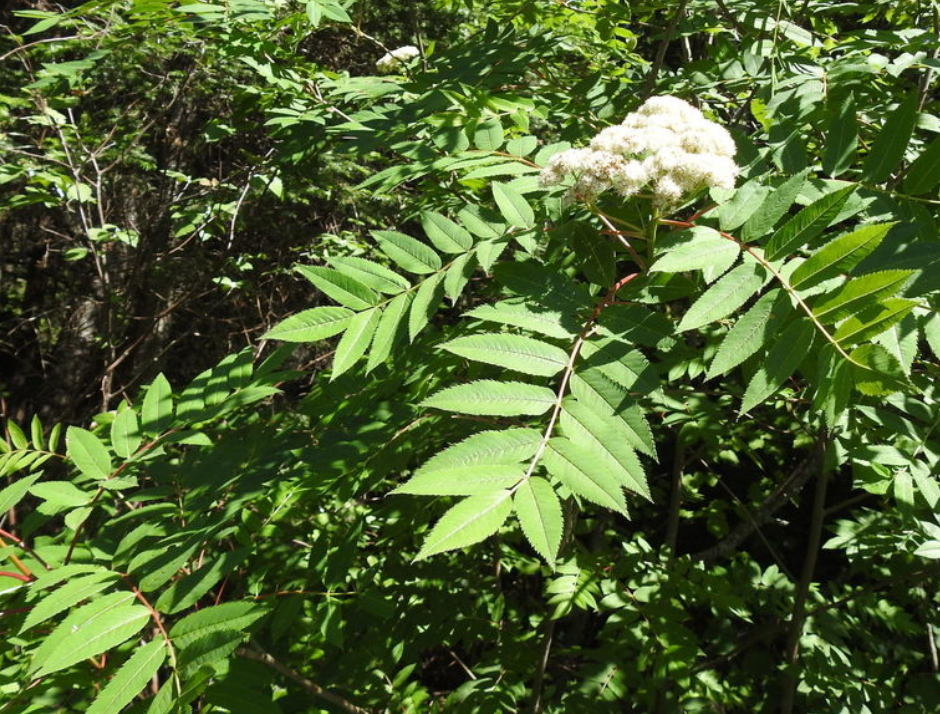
(259, 655)
(764, 513)
(792, 652)
(661, 52)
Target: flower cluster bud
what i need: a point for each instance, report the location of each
(391, 61)
(666, 145)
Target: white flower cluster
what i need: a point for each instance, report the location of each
(392, 60)
(667, 144)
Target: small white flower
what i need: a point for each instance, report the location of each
(667, 144)
(391, 61)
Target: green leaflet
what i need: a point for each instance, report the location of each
(841, 135)
(355, 340)
(125, 433)
(598, 434)
(186, 591)
(212, 647)
(311, 325)
(540, 516)
(470, 521)
(490, 397)
(35, 428)
(858, 294)
(750, 332)
(515, 352)
(157, 412)
(593, 386)
(872, 321)
(774, 207)
(513, 206)
(447, 236)
(135, 674)
(61, 493)
(71, 593)
(924, 174)
(900, 339)
(487, 253)
(695, 249)
(833, 385)
(154, 568)
(17, 436)
(16, 491)
(517, 313)
(807, 224)
(724, 297)
(890, 144)
(930, 327)
(91, 456)
(840, 255)
(458, 275)
(427, 300)
(389, 331)
(236, 616)
(411, 254)
(875, 371)
(628, 421)
(345, 290)
(104, 623)
(746, 199)
(463, 480)
(375, 276)
(488, 135)
(522, 146)
(482, 222)
(584, 473)
(507, 446)
(784, 357)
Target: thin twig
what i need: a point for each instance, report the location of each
(258, 655)
(798, 619)
(661, 51)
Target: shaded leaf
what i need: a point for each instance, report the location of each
(890, 144)
(411, 254)
(807, 224)
(784, 357)
(841, 135)
(389, 331)
(427, 300)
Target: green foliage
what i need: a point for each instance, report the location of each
(522, 450)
